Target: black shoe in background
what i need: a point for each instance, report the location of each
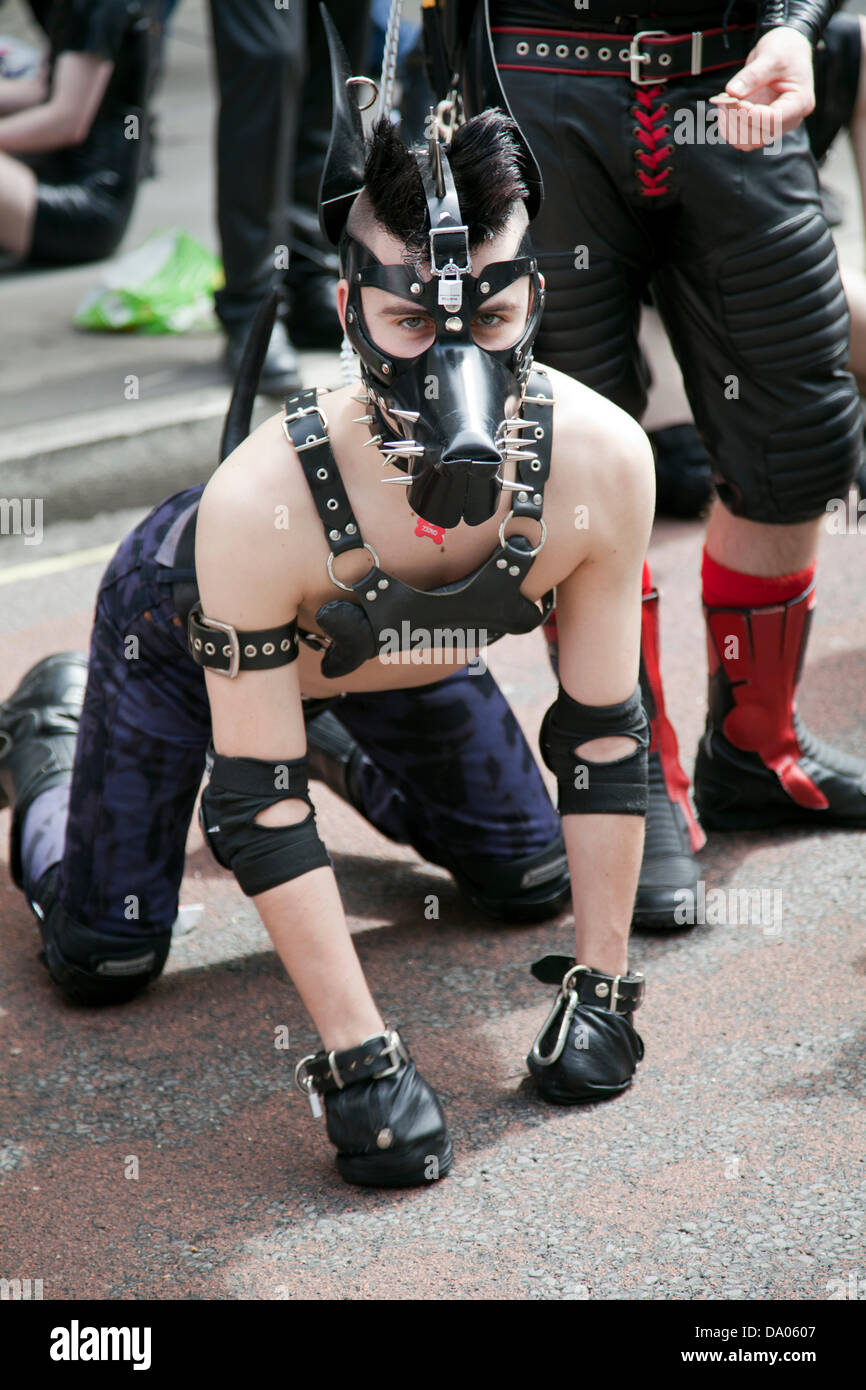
(684, 476)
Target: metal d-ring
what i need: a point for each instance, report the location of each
(339, 583)
(364, 82)
(503, 541)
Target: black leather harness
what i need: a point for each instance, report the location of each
(488, 601)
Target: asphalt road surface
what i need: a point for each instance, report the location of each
(157, 1150)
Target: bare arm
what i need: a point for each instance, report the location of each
(599, 619)
(80, 82)
(249, 575)
(19, 93)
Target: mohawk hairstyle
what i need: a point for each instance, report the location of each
(484, 160)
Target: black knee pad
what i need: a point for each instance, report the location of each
(259, 856)
(586, 787)
(92, 967)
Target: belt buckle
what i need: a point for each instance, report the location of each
(227, 629)
(635, 57)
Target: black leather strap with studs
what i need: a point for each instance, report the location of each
(306, 425)
(645, 56)
(381, 1055)
(222, 648)
(592, 986)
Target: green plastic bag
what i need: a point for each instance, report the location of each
(165, 286)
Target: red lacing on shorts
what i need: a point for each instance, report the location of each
(651, 134)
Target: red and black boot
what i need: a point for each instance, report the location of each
(757, 764)
(672, 834)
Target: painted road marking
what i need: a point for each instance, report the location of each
(55, 564)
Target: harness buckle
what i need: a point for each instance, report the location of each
(394, 1051)
(234, 666)
(450, 295)
(635, 57)
(312, 441)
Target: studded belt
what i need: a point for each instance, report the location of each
(647, 57)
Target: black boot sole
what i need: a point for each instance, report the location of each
(656, 911)
(591, 1093)
(773, 817)
(409, 1167)
(753, 799)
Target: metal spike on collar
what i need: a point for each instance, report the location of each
(508, 486)
(363, 419)
(404, 478)
(376, 439)
(518, 455)
(411, 415)
(408, 450)
(515, 422)
(362, 400)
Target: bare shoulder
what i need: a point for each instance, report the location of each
(251, 528)
(600, 452)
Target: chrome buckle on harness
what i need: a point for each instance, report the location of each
(312, 439)
(635, 57)
(227, 629)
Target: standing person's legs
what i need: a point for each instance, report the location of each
(259, 61)
(596, 249)
(753, 303)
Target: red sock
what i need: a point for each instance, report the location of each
(724, 588)
(647, 580)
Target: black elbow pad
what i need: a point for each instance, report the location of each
(615, 788)
(259, 856)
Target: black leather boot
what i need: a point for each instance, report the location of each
(385, 1121)
(587, 1048)
(757, 765)
(38, 731)
(672, 834)
(529, 889)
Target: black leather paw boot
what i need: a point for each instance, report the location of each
(38, 731)
(587, 1048)
(385, 1121)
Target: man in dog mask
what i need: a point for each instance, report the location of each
(362, 547)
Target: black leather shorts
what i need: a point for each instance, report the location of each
(736, 250)
(81, 221)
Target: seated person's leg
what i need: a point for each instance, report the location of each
(17, 205)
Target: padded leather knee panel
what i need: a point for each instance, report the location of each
(589, 330)
(618, 787)
(259, 856)
(814, 456)
(782, 298)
